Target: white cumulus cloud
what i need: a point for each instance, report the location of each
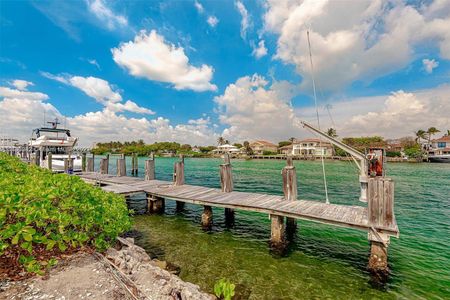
(22, 111)
(212, 21)
(245, 21)
(105, 14)
(254, 110)
(374, 38)
(101, 90)
(21, 84)
(199, 7)
(151, 57)
(260, 50)
(429, 65)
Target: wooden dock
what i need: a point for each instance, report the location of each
(334, 214)
(377, 218)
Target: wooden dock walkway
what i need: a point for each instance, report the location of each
(377, 218)
(340, 215)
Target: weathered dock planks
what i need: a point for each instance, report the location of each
(377, 219)
(341, 215)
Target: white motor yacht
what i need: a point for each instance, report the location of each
(59, 143)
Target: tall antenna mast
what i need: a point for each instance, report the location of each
(318, 119)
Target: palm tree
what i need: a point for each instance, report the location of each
(448, 132)
(220, 141)
(292, 139)
(420, 134)
(332, 132)
(248, 149)
(431, 131)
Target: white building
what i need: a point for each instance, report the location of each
(227, 148)
(312, 148)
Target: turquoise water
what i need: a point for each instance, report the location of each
(323, 261)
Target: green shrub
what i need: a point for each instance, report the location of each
(224, 289)
(265, 152)
(41, 212)
(393, 154)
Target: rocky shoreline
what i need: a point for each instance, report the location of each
(124, 272)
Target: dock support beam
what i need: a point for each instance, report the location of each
(290, 191)
(277, 232)
(83, 162)
(207, 217)
(381, 214)
(178, 178)
(150, 168)
(226, 183)
(90, 164)
(155, 204)
(121, 167)
(49, 161)
(104, 166)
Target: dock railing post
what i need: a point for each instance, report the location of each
(90, 164)
(49, 161)
(66, 165)
(83, 162)
(121, 167)
(381, 215)
(226, 183)
(178, 177)
(289, 175)
(37, 158)
(155, 204)
(104, 166)
(150, 168)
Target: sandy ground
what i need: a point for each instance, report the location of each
(80, 277)
(125, 273)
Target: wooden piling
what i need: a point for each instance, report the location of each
(155, 204)
(277, 232)
(289, 175)
(178, 177)
(90, 164)
(37, 158)
(49, 161)
(381, 215)
(83, 162)
(207, 217)
(66, 165)
(150, 168)
(226, 183)
(104, 166)
(121, 167)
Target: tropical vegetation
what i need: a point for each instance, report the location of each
(44, 215)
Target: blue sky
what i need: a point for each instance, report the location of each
(194, 70)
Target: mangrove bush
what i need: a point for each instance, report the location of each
(43, 215)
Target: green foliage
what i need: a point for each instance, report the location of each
(413, 151)
(143, 149)
(284, 143)
(41, 211)
(237, 145)
(265, 152)
(361, 143)
(393, 154)
(224, 289)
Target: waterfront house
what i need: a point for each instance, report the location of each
(440, 147)
(259, 147)
(312, 148)
(226, 148)
(285, 149)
